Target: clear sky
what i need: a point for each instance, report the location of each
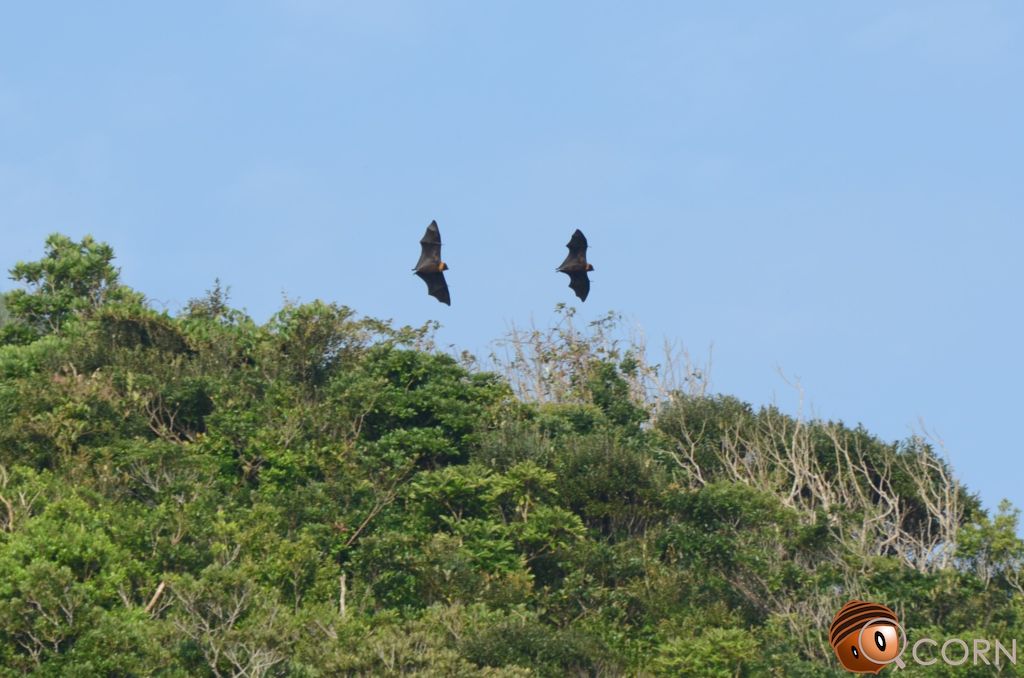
(833, 189)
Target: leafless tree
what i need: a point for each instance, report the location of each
(552, 365)
(15, 505)
(235, 627)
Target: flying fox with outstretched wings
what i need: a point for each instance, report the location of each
(576, 266)
(430, 267)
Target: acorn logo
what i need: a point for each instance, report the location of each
(866, 637)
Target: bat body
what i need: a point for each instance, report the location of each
(576, 266)
(430, 267)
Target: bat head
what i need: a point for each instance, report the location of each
(442, 266)
(590, 267)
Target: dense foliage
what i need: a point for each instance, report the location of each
(326, 494)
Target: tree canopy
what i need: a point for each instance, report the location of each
(327, 494)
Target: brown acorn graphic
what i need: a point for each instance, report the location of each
(865, 636)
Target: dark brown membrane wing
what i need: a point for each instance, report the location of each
(579, 281)
(573, 262)
(577, 257)
(437, 286)
(430, 247)
(577, 243)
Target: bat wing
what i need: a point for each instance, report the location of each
(579, 281)
(430, 247)
(577, 251)
(437, 286)
(577, 243)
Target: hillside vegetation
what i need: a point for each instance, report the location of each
(326, 494)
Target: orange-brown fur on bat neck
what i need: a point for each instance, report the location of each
(440, 268)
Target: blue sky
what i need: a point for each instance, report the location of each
(835, 190)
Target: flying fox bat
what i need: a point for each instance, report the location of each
(430, 267)
(576, 266)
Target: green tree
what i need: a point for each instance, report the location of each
(73, 278)
(199, 494)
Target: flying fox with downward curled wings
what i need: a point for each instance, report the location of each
(430, 267)
(576, 266)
